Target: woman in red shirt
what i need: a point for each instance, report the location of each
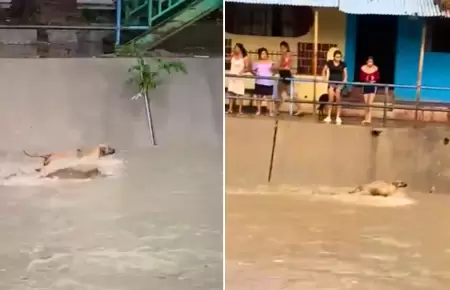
(284, 70)
(369, 74)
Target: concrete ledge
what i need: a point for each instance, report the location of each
(426, 116)
(248, 150)
(318, 154)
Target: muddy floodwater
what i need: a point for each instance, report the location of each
(277, 240)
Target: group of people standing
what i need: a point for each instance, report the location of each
(264, 68)
(334, 72)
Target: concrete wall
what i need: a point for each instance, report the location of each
(318, 154)
(248, 150)
(52, 104)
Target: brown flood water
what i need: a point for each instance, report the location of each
(292, 241)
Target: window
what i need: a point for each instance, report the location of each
(437, 35)
(268, 20)
(305, 57)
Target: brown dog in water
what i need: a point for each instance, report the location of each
(93, 153)
(379, 188)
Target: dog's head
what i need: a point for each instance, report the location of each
(105, 150)
(399, 184)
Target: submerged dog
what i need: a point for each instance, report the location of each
(64, 165)
(379, 188)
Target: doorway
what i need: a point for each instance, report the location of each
(376, 36)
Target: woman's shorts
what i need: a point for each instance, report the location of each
(263, 90)
(369, 90)
(336, 86)
(285, 74)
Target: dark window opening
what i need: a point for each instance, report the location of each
(437, 35)
(268, 20)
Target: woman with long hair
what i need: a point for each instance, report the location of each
(263, 67)
(369, 74)
(236, 86)
(335, 70)
(284, 70)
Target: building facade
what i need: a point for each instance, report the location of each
(388, 30)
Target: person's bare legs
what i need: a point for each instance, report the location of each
(270, 101)
(230, 105)
(258, 104)
(298, 109)
(368, 100)
(337, 97)
(330, 105)
(282, 89)
(240, 103)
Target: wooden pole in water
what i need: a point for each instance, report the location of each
(420, 69)
(315, 57)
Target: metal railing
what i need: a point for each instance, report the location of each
(316, 102)
(275, 57)
(154, 11)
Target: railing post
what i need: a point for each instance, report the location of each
(420, 70)
(386, 95)
(150, 13)
(118, 20)
(275, 98)
(291, 97)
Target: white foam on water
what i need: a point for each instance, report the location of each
(20, 174)
(328, 193)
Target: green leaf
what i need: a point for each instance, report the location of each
(147, 76)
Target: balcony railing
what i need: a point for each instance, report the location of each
(418, 106)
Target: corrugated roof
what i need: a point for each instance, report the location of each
(421, 8)
(312, 3)
(427, 8)
(377, 7)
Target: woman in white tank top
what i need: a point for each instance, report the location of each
(236, 86)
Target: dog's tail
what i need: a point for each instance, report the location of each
(44, 156)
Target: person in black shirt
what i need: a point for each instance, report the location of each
(335, 70)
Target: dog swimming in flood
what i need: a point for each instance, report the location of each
(68, 164)
(379, 188)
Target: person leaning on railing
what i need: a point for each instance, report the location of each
(263, 67)
(335, 70)
(369, 74)
(236, 86)
(284, 70)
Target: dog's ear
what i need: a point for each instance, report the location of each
(399, 183)
(101, 151)
(396, 183)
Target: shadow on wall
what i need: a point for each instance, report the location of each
(316, 154)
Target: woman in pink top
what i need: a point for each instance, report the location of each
(369, 74)
(263, 67)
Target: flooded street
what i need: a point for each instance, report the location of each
(292, 241)
(292, 225)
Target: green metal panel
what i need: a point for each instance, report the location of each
(134, 11)
(164, 18)
(171, 25)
